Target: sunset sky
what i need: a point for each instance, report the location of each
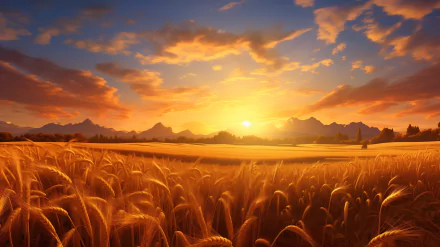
(208, 65)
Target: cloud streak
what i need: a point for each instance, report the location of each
(409, 9)
(379, 94)
(305, 3)
(70, 25)
(148, 84)
(11, 30)
(312, 67)
(53, 91)
(120, 44)
(231, 5)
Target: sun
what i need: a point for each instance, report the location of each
(246, 124)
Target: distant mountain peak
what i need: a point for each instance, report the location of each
(160, 125)
(296, 127)
(13, 128)
(186, 132)
(88, 121)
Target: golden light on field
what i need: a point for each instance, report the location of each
(246, 124)
(125, 200)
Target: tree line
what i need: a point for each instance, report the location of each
(413, 134)
(41, 137)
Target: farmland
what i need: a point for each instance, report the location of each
(233, 154)
(77, 195)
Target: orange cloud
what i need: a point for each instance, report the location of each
(331, 20)
(429, 108)
(11, 30)
(409, 9)
(339, 48)
(379, 94)
(118, 45)
(368, 69)
(376, 107)
(231, 5)
(148, 84)
(421, 45)
(190, 42)
(305, 3)
(375, 31)
(53, 91)
(312, 68)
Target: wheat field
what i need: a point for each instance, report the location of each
(65, 196)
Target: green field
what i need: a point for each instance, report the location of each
(228, 154)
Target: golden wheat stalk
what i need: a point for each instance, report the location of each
(300, 232)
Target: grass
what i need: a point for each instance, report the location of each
(71, 196)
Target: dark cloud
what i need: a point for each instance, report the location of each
(379, 94)
(71, 25)
(120, 44)
(429, 108)
(96, 10)
(50, 90)
(12, 25)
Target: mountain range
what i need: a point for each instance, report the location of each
(13, 129)
(293, 127)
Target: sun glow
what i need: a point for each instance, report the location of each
(246, 124)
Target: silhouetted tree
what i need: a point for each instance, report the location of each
(412, 130)
(386, 135)
(224, 138)
(341, 137)
(5, 137)
(359, 136)
(79, 137)
(365, 144)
